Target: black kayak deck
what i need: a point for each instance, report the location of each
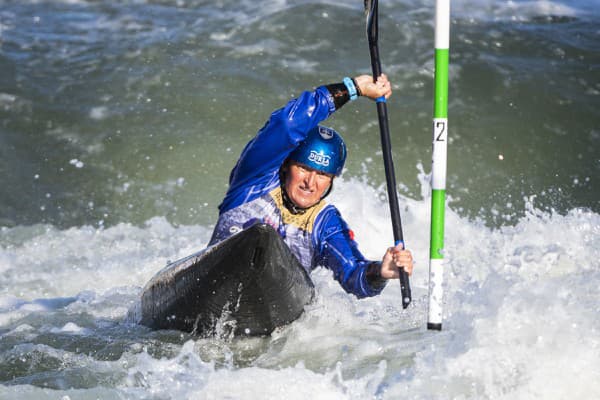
(251, 281)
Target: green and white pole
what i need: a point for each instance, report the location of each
(438, 169)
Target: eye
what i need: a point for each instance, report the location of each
(324, 177)
(301, 168)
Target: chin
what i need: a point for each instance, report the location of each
(304, 203)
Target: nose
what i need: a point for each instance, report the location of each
(309, 178)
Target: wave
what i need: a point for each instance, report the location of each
(519, 301)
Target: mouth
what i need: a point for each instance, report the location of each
(306, 190)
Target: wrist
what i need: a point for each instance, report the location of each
(339, 93)
(373, 275)
(351, 86)
(362, 82)
(358, 91)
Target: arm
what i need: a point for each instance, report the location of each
(257, 167)
(285, 129)
(288, 126)
(337, 250)
(256, 171)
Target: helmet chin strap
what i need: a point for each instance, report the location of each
(288, 203)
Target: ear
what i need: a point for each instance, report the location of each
(283, 171)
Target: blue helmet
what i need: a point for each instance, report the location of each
(323, 150)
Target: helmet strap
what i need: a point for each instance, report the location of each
(289, 204)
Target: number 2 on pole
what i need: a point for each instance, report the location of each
(440, 130)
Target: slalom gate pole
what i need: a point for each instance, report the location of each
(439, 161)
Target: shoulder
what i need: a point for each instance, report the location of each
(329, 222)
(244, 191)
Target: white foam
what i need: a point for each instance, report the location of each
(71, 328)
(99, 112)
(520, 310)
(66, 262)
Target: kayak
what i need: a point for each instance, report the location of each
(250, 282)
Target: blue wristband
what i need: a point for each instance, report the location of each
(351, 88)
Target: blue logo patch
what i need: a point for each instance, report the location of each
(325, 133)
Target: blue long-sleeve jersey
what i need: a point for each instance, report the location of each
(318, 237)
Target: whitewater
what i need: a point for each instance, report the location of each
(120, 121)
(520, 317)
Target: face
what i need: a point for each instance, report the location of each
(305, 186)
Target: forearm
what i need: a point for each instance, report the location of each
(289, 125)
(373, 275)
(339, 253)
(283, 131)
(353, 273)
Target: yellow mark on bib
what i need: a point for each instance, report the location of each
(303, 221)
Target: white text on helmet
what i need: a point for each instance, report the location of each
(320, 159)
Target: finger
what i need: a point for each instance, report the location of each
(399, 246)
(399, 261)
(392, 273)
(404, 260)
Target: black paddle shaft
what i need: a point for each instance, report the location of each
(372, 35)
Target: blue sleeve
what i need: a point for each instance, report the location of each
(337, 251)
(285, 129)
